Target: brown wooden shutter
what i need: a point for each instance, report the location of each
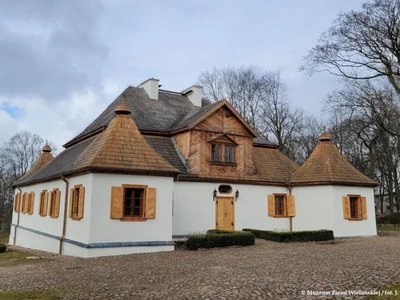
(81, 204)
(346, 207)
(31, 202)
(363, 207)
(56, 203)
(151, 203)
(291, 209)
(117, 202)
(24, 203)
(71, 199)
(46, 201)
(271, 205)
(17, 204)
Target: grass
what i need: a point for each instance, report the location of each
(3, 237)
(389, 292)
(12, 258)
(47, 295)
(388, 227)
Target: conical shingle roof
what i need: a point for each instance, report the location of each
(326, 166)
(122, 147)
(44, 158)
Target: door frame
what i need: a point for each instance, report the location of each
(233, 210)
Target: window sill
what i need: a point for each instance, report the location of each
(280, 217)
(356, 219)
(76, 219)
(223, 163)
(139, 219)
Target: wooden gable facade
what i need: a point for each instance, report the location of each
(222, 128)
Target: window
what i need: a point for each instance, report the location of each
(43, 203)
(281, 206)
(76, 202)
(229, 153)
(216, 152)
(133, 202)
(354, 207)
(55, 203)
(225, 189)
(218, 149)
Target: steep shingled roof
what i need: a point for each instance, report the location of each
(44, 158)
(122, 147)
(326, 166)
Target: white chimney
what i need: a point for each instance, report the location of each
(151, 87)
(194, 94)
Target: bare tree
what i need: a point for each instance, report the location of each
(16, 157)
(280, 119)
(361, 44)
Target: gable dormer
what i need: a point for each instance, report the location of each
(218, 142)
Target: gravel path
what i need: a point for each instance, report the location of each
(267, 270)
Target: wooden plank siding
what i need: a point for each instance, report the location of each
(221, 126)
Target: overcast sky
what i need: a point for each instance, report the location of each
(63, 62)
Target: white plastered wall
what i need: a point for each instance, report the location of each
(194, 208)
(346, 228)
(104, 229)
(314, 208)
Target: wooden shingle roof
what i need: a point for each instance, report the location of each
(44, 158)
(326, 166)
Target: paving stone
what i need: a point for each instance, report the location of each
(267, 270)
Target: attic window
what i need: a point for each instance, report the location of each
(222, 153)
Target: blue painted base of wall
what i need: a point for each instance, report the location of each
(98, 245)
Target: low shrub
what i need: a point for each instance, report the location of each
(388, 219)
(2, 248)
(294, 236)
(219, 238)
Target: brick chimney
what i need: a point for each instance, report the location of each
(151, 87)
(194, 94)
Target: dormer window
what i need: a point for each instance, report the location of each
(222, 153)
(216, 152)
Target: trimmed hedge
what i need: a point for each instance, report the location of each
(219, 238)
(389, 219)
(2, 248)
(294, 236)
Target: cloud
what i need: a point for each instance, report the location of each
(49, 49)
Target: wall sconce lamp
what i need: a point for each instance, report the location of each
(236, 195)
(214, 194)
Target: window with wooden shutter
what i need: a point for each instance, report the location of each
(54, 210)
(17, 202)
(354, 207)
(31, 203)
(77, 202)
(281, 206)
(133, 202)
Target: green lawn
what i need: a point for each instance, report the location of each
(389, 292)
(3, 237)
(12, 257)
(389, 227)
(47, 295)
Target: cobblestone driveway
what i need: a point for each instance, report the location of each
(267, 270)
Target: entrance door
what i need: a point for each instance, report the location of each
(225, 213)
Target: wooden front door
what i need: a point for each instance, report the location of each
(225, 213)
